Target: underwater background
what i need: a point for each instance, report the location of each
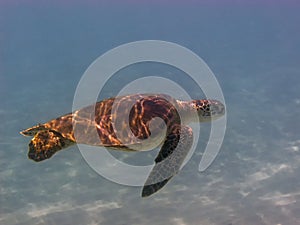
(253, 48)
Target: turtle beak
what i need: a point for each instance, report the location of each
(217, 109)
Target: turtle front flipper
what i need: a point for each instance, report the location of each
(45, 143)
(169, 160)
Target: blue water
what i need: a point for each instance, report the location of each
(254, 51)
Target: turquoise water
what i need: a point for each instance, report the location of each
(254, 51)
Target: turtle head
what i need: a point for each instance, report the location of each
(208, 110)
(46, 143)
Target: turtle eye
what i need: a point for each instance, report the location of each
(206, 110)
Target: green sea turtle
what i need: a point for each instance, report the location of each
(100, 125)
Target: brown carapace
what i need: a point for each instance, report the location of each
(126, 123)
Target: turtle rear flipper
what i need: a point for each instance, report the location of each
(45, 143)
(169, 159)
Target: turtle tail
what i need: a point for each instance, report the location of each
(33, 130)
(45, 144)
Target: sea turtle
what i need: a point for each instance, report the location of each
(104, 124)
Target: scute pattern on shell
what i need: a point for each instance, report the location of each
(101, 118)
